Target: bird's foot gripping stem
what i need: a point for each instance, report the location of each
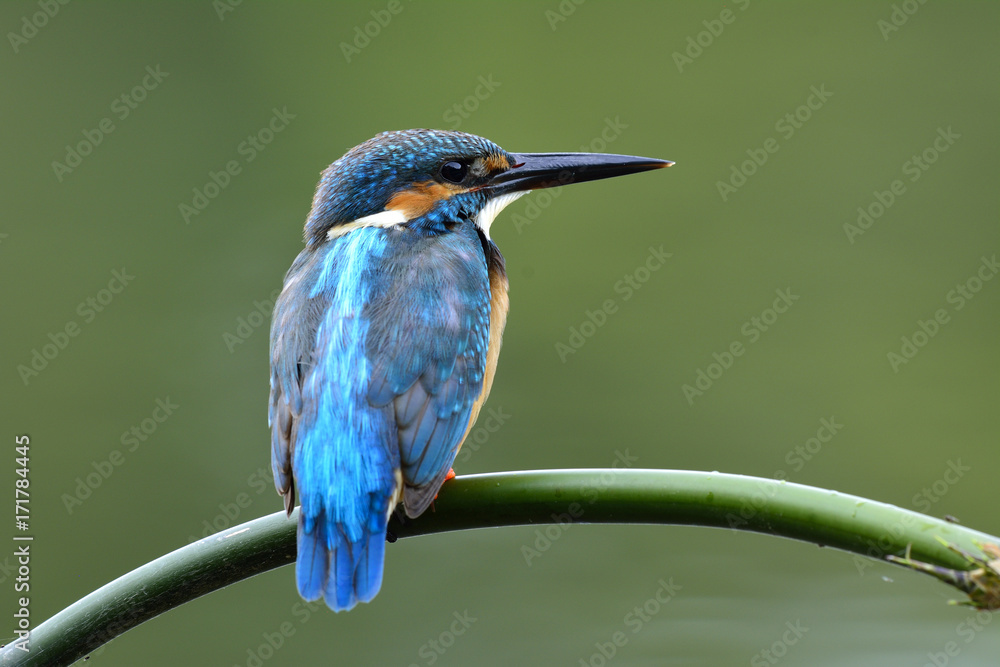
(450, 475)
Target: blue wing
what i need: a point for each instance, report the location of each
(379, 346)
(428, 345)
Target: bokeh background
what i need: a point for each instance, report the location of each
(869, 87)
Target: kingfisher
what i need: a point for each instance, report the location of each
(385, 338)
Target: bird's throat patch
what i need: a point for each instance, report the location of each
(493, 208)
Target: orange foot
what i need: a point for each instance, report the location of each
(450, 475)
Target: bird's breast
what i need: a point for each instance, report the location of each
(499, 305)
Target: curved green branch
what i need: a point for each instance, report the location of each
(864, 527)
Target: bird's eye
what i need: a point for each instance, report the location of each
(454, 172)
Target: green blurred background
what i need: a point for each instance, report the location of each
(699, 83)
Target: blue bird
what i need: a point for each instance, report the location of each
(385, 338)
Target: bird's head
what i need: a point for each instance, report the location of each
(434, 178)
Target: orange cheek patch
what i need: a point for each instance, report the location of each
(419, 199)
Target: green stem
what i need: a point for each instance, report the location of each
(827, 518)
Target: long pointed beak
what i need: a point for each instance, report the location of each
(533, 171)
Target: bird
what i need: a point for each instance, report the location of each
(386, 334)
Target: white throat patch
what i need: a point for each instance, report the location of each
(493, 208)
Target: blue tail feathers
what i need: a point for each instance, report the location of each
(342, 571)
(345, 488)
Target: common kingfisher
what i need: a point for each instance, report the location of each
(385, 338)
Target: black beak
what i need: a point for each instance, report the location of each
(533, 171)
